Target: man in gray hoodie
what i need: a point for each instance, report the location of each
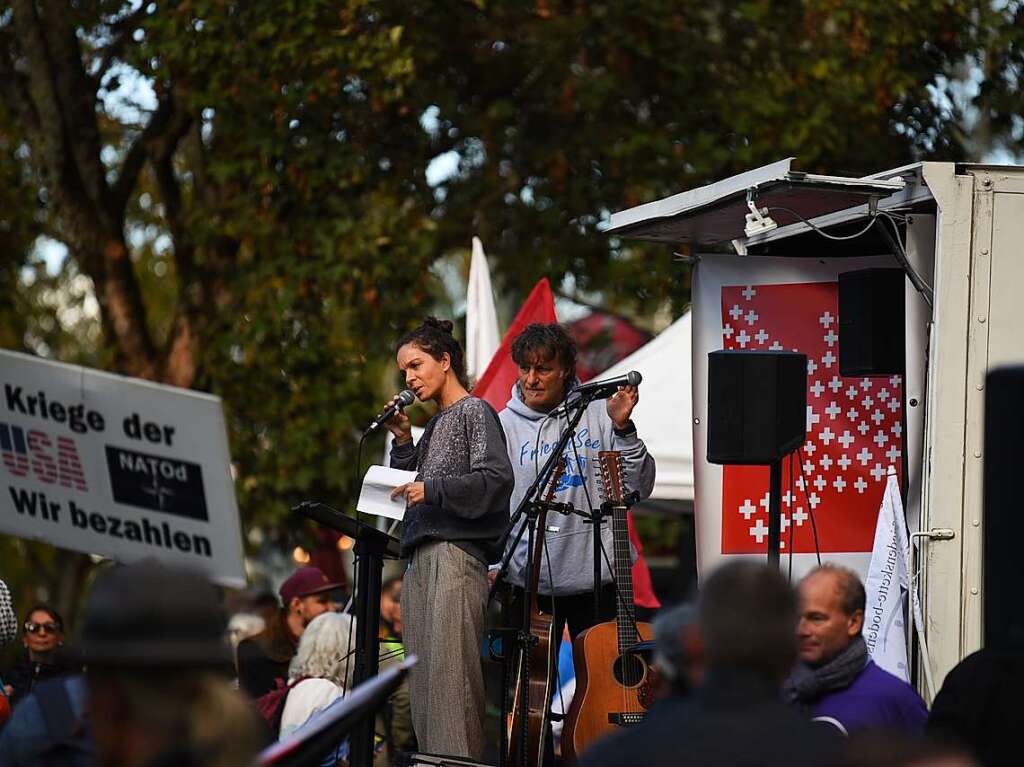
(546, 356)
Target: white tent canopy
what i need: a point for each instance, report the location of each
(663, 417)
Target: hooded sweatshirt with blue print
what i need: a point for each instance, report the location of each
(531, 436)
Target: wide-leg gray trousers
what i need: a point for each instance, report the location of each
(444, 601)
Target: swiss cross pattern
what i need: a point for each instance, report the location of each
(854, 429)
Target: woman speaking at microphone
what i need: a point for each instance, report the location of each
(456, 512)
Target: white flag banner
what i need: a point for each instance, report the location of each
(482, 337)
(888, 584)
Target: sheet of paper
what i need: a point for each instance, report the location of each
(375, 497)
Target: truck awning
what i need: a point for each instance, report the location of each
(718, 212)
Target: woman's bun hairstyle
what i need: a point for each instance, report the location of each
(446, 326)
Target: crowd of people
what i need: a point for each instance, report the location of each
(752, 672)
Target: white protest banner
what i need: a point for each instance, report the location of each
(116, 466)
(887, 586)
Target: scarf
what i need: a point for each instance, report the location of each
(806, 683)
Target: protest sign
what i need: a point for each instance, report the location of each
(116, 466)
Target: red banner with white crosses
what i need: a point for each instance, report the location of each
(854, 428)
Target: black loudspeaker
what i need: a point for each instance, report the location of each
(871, 322)
(1003, 522)
(757, 406)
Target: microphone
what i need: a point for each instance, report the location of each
(607, 387)
(405, 398)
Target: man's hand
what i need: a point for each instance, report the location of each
(414, 492)
(621, 404)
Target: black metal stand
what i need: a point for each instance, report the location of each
(595, 517)
(529, 507)
(371, 547)
(774, 511)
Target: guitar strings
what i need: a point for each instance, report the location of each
(627, 704)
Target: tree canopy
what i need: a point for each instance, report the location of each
(242, 185)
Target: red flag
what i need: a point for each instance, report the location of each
(854, 428)
(643, 587)
(495, 386)
(496, 382)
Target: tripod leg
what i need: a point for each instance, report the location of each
(774, 512)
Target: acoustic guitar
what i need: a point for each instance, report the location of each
(535, 668)
(611, 682)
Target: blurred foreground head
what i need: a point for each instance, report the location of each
(153, 640)
(900, 749)
(747, 616)
(677, 648)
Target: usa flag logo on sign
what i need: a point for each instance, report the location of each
(854, 428)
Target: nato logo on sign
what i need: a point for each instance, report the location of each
(153, 482)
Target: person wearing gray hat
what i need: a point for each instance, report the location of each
(157, 665)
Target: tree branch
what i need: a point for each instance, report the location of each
(77, 100)
(160, 137)
(41, 92)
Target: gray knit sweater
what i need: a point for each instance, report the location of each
(463, 463)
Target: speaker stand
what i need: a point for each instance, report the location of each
(774, 511)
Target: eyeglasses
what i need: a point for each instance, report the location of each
(41, 628)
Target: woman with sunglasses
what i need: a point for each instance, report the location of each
(43, 658)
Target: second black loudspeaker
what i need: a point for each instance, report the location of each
(757, 406)
(871, 322)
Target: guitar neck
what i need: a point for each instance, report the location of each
(625, 616)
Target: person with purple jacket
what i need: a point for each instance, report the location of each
(835, 680)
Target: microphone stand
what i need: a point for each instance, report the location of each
(530, 507)
(533, 491)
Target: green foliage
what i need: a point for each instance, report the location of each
(281, 228)
(316, 149)
(564, 112)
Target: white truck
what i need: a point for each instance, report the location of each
(958, 238)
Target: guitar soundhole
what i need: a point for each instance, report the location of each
(629, 670)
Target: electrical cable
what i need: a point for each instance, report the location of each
(810, 509)
(822, 232)
(792, 497)
(901, 256)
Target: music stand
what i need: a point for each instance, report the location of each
(371, 547)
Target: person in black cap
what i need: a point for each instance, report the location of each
(264, 658)
(157, 665)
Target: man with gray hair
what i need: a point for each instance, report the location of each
(746, 616)
(836, 681)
